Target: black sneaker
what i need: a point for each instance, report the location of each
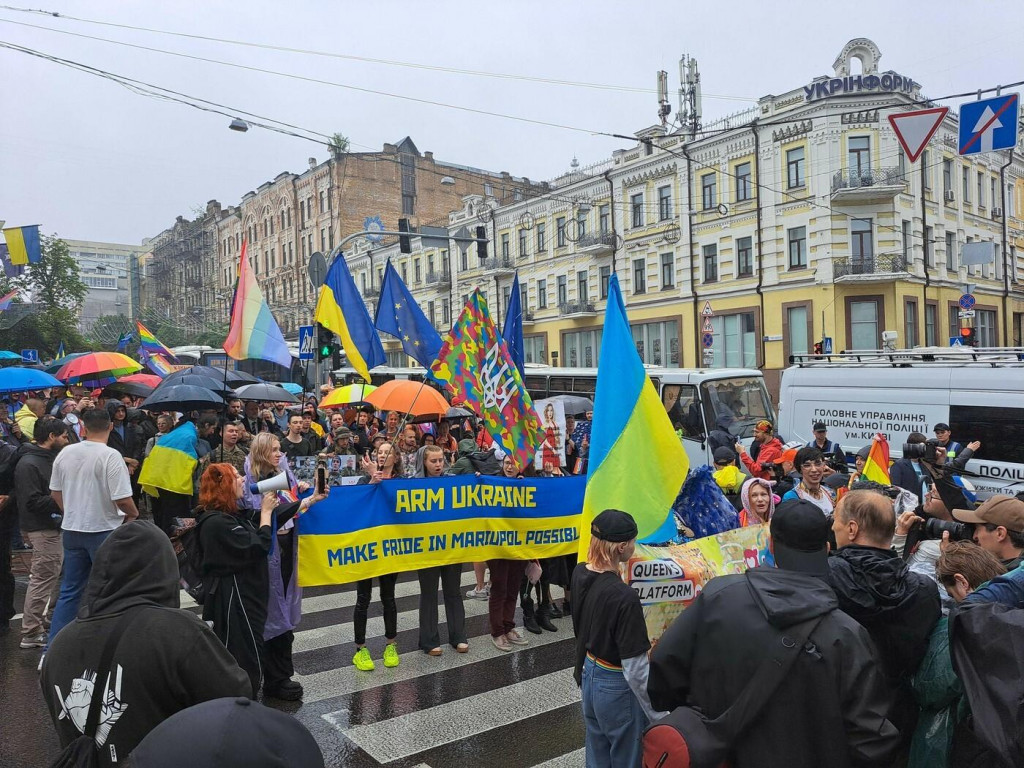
(286, 690)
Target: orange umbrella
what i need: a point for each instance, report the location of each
(412, 397)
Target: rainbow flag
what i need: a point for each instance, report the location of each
(171, 462)
(7, 299)
(23, 245)
(158, 364)
(637, 463)
(254, 333)
(475, 363)
(150, 343)
(340, 309)
(876, 467)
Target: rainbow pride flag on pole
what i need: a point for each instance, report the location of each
(7, 299)
(150, 343)
(876, 467)
(637, 463)
(23, 245)
(171, 462)
(158, 364)
(254, 333)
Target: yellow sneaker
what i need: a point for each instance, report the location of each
(390, 655)
(363, 661)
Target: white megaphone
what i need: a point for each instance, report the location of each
(278, 482)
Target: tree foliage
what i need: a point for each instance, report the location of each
(339, 144)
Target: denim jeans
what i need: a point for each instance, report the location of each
(79, 553)
(614, 719)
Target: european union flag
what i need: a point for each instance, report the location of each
(400, 315)
(513, 328)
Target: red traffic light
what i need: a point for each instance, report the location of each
(966, 331)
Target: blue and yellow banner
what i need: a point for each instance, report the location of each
(23, 245)
(361, 531)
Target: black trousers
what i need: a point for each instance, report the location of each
(364, 590)
(450, 578)
(276, 658)
(169, 505)
(6, 576)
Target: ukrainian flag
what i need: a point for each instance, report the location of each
(171, 462)
(23, 245)
(637, 463)
(340, 309)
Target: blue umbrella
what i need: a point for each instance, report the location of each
(288, 386)
(8, 355)
(17, 379)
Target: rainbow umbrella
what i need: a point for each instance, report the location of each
(97, 369)
(347, 395)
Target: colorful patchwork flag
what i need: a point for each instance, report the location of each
(475, 363)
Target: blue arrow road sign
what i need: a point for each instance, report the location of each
(988, 125)
(967, 301)
(30, 355)
(306, 342)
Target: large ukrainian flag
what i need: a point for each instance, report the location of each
(171, 462)
(23, 245)
(340, 309)
(637, 463)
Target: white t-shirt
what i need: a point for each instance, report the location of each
(91, 476)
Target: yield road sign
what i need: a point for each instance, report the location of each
(707, 311)
(707, 327)
(988, 125)
(967, 301)
(708, 340)
(915, 129)
(306, 342)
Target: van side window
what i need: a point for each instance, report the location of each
(683, 410)
(1000, 430)
(735, 405)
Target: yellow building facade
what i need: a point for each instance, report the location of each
(798, 220)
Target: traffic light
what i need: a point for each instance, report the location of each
(481, 242)
(325, 344)
(969, 337)
(404, 241)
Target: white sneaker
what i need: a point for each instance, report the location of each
(479, 594)
(514, 637)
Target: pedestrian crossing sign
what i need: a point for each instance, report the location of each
(306, 342)
(956, 341)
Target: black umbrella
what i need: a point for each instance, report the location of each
(133, 388)
(231, 378)
(196, 380)
(184, 398)
(239, 378)
(267, 393)
(574, 404)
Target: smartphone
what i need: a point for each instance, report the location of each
(321, 476)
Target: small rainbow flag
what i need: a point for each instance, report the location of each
(150, 343)
(158, 364)
(23, 245)
(5, 301)
(876, 467)
(254, 333)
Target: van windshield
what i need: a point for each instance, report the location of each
(735, 405)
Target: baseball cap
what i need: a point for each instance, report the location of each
(799, 532)
(1006, 511)
(724, 455)
(788, 455)
(941, 427)
(820, 427)
(222, 733)
(613, 525)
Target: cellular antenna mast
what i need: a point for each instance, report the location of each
(689, 96)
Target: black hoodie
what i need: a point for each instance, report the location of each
(830, 711)
(37, 511)
(167, 660)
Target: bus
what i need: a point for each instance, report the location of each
(698, 401)
(215, 357)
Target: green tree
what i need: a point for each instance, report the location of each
(338, 144)
(107, 329)
(55, 279)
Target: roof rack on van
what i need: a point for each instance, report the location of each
(993, 357)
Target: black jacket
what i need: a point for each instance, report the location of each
(829, 712)
(167, 660)
(897, 607)
(902, 474)
(36, 508)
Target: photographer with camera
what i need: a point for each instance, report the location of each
(907, 472)
(998, 528)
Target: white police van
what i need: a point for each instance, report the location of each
(978, 392)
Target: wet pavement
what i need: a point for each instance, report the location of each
(486, 707)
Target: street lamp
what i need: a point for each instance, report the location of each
(239, 125)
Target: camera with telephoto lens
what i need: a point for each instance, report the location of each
(925, 451)
(934, 528)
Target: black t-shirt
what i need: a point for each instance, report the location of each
(293, 450)
(618, 630)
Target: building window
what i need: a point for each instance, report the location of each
(664, 203)
(795, 168)
(542, 294)
(992, 193)
(405, 272)
(710, 263)
(743, 186)
(981, 190)
(605, 275)
(799, 330)
(906, 241)
(445, 312)
(581, 225)
(464, 260)
(416, 270)
(604, 219)
(965, 187)
(323, 238)
(524, 298)
(581, 348)
(744, 257)
(408, 205)
(735, 340)
(636, 206)
(505, 245)
(430, 264)
(323, 202)
(930, 321)
(950, 251)
(668, 270)
(954, 319)
(929, 247)
(864, 333)
(657, 343)
(901, 164)
(639, 275)
(533, 349)
(582, 282)
(985, 323)
(542, 243)
(862, 246)
(563, 290)
(560, 232)
(926, 170)
(708, 191)
(910, 323)
(797, 241)
(859, 156)
(947, 177)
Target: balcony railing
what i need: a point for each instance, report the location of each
(371, 293)
(869, 265)
(498, 264)
(439, 278)
(577, 308)
(598, 242)
(862, 178)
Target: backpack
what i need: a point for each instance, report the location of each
(189, 553)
